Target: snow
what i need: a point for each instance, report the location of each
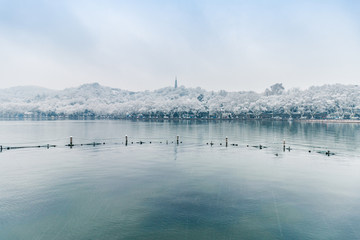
(327, 101)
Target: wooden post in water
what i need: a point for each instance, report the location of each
(71, 143)
(0, 148)
(126, 140)
(284, 145)
(177, 139)
(226, 141)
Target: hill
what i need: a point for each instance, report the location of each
(93, 100)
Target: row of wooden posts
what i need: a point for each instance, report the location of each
(328, 153)
(126, 141)
(177, 142)
(71, 144)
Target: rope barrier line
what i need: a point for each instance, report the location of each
(131, 141)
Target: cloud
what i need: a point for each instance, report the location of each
(137, 45)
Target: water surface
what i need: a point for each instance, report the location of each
(188, 191)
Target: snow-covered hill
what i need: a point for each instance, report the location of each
(328, 101)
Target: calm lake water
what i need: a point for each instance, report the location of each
(186, 191)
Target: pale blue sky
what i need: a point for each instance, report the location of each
(138, 45)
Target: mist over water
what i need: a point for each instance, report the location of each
(187, 191)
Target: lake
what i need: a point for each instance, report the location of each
(197, 189)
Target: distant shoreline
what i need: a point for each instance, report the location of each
(329, 120)
(180, 119)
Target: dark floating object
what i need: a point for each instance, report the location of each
(276, 154)
(211, 143)
(288, 148)
(234, 144)
(260, 146)
(309, 151)
(247, 145)
(220, 144)
(327, 153)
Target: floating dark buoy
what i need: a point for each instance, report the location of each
(309, 151)
(276, 154)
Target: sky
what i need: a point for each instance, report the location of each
(138, 45)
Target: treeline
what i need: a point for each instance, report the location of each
(96, 101)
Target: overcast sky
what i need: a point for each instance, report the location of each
(138, 45)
